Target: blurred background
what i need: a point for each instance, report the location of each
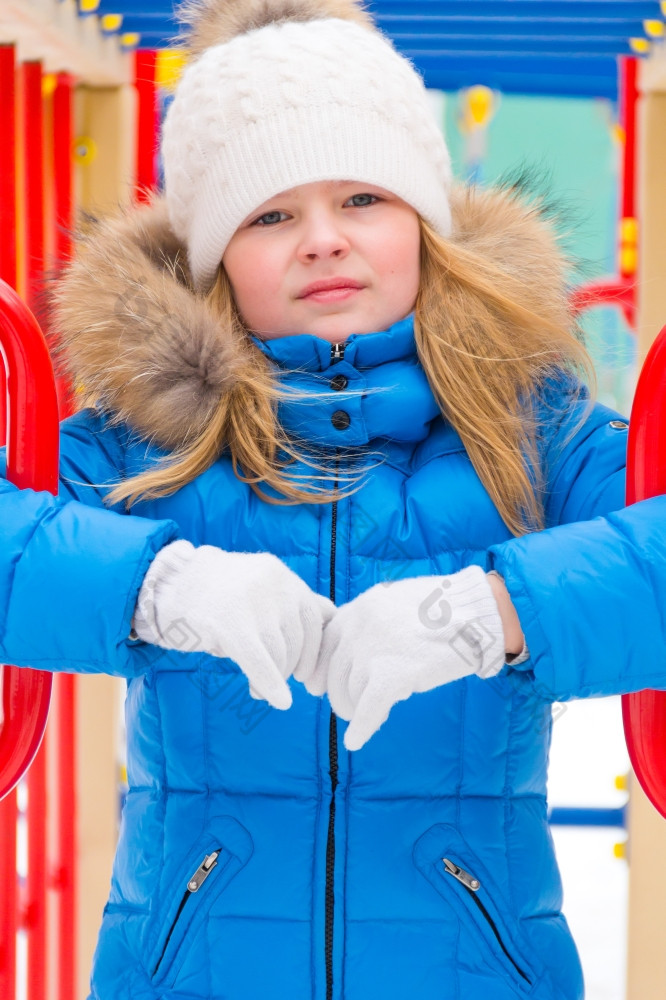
(571, 93)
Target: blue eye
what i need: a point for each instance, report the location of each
(363, 204)
(269, 219)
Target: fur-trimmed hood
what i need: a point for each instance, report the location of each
(131, 334)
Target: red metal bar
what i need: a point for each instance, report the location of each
(628, 95)
(63, 722)
(8, 807)
(7, 189)
(63, 137)
(35, 910)
(33, 179)
(8, 896)
(620, 290)
(8, 165)
(148, 123)
(63, 188)
(628, 225)
(644, 713)
(32, 125)
(32, 461)
(65, 870)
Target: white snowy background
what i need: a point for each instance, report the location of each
(588, 751)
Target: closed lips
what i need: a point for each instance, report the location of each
(327, 286)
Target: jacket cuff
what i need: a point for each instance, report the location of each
(515, 659)
(164, 569)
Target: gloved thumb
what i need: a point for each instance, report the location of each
(265, 680)
(317, 682)
(371, 712)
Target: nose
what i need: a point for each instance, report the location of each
(323, 236)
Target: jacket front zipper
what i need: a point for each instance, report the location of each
(194, 883)
(337, 354)
(472, 885)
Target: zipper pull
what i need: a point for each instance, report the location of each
(337, 352)
(202, 872)
(467, 880)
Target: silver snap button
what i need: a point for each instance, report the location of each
(619, 425)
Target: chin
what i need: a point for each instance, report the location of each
(337, 329)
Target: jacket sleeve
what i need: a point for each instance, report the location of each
(71, 569)
(590, 591)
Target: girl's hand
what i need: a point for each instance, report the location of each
(514, 640)
(404, 637)
(249, 607)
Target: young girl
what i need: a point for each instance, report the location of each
(322, 393)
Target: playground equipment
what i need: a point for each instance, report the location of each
(644, 713)
(89, 45)
(39, 160)
(620, 290)
(32, 461)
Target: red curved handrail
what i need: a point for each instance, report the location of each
(32, 461)
(644, 713)
(618, 291)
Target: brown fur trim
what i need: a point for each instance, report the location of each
(134, 336)
(212, 22)
(500, 226)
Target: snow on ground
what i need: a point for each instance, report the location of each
(588, 751)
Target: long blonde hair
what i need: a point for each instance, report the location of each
(485, 350)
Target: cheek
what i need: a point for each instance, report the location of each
(255, 279)
(399, 259)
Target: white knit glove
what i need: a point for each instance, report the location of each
(404, 637)
(247, 606)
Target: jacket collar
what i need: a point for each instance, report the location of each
(387, 393)
(362, 350)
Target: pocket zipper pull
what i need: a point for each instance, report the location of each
(202, 872)
(462, 876)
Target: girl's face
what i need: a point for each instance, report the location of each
(330, 258)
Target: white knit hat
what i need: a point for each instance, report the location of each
(290, 103)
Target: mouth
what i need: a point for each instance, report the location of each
(332, 290)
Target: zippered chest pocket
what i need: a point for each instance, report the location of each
(443, 857)
(211, 864)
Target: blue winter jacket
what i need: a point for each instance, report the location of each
(421, 865)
